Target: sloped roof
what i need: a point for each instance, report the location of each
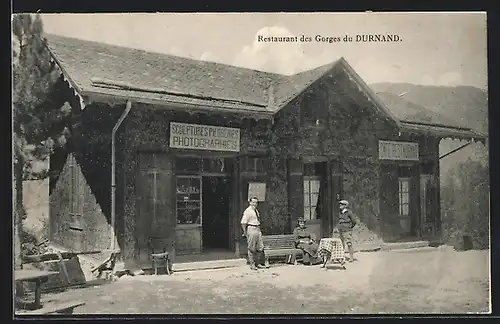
(99, 67)
(286, 87)
(94, 67)
(418, 118)
(84, 60)
(444, 131)
(412, 113)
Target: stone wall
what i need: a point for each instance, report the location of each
(348, 135)
(277, 218)
(147, 129)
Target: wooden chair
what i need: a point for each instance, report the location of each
(159, 255)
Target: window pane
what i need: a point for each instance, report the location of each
(181, 205)
(314, 199)
(405, 209)
(182, 184)
(187, 164)
(405, 186)
(195, 185)
(181, 216)
(313, 213)
(309, 169)
(306, 186)
(182, 197)
(307, 213)
(306, 200)
(405, 198)
(214, 165)
(315, 186)
(188, 216)
(194, 216)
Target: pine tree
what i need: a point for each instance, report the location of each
(39, 116)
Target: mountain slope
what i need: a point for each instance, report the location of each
(466, 105)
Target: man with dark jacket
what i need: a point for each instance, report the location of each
(346, 223)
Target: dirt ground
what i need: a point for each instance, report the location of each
(437, 280)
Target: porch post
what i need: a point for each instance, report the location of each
(236, 206)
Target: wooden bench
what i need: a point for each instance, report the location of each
(281, 245)
(54, 308)
(36, 276)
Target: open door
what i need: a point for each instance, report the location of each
(216, 216)
(312, 205)
(316, 198)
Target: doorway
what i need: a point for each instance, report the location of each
(315, 191)
(215, 228)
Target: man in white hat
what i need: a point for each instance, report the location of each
(345, 224)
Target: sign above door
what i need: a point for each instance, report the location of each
(395, 150)
(204, 137)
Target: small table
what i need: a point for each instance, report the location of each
(331, 249)
(37, 276)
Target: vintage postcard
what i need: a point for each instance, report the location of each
(250, 163)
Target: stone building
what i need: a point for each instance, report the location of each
(166, 151)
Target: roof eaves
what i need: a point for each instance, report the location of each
(436, 125)
(445, 131)
(118, 85)
(72, 84)
(307, 85)
(368, 91)
(100, 95)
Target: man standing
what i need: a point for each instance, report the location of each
(250, 224)
(345, 225)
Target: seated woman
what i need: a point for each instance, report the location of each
(305, 241)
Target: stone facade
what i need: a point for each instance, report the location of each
(342, 128)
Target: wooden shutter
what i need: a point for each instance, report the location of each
(155, 197)
(389, 199)
(295, 190)
(337, 195)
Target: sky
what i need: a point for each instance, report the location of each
(435, 48)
